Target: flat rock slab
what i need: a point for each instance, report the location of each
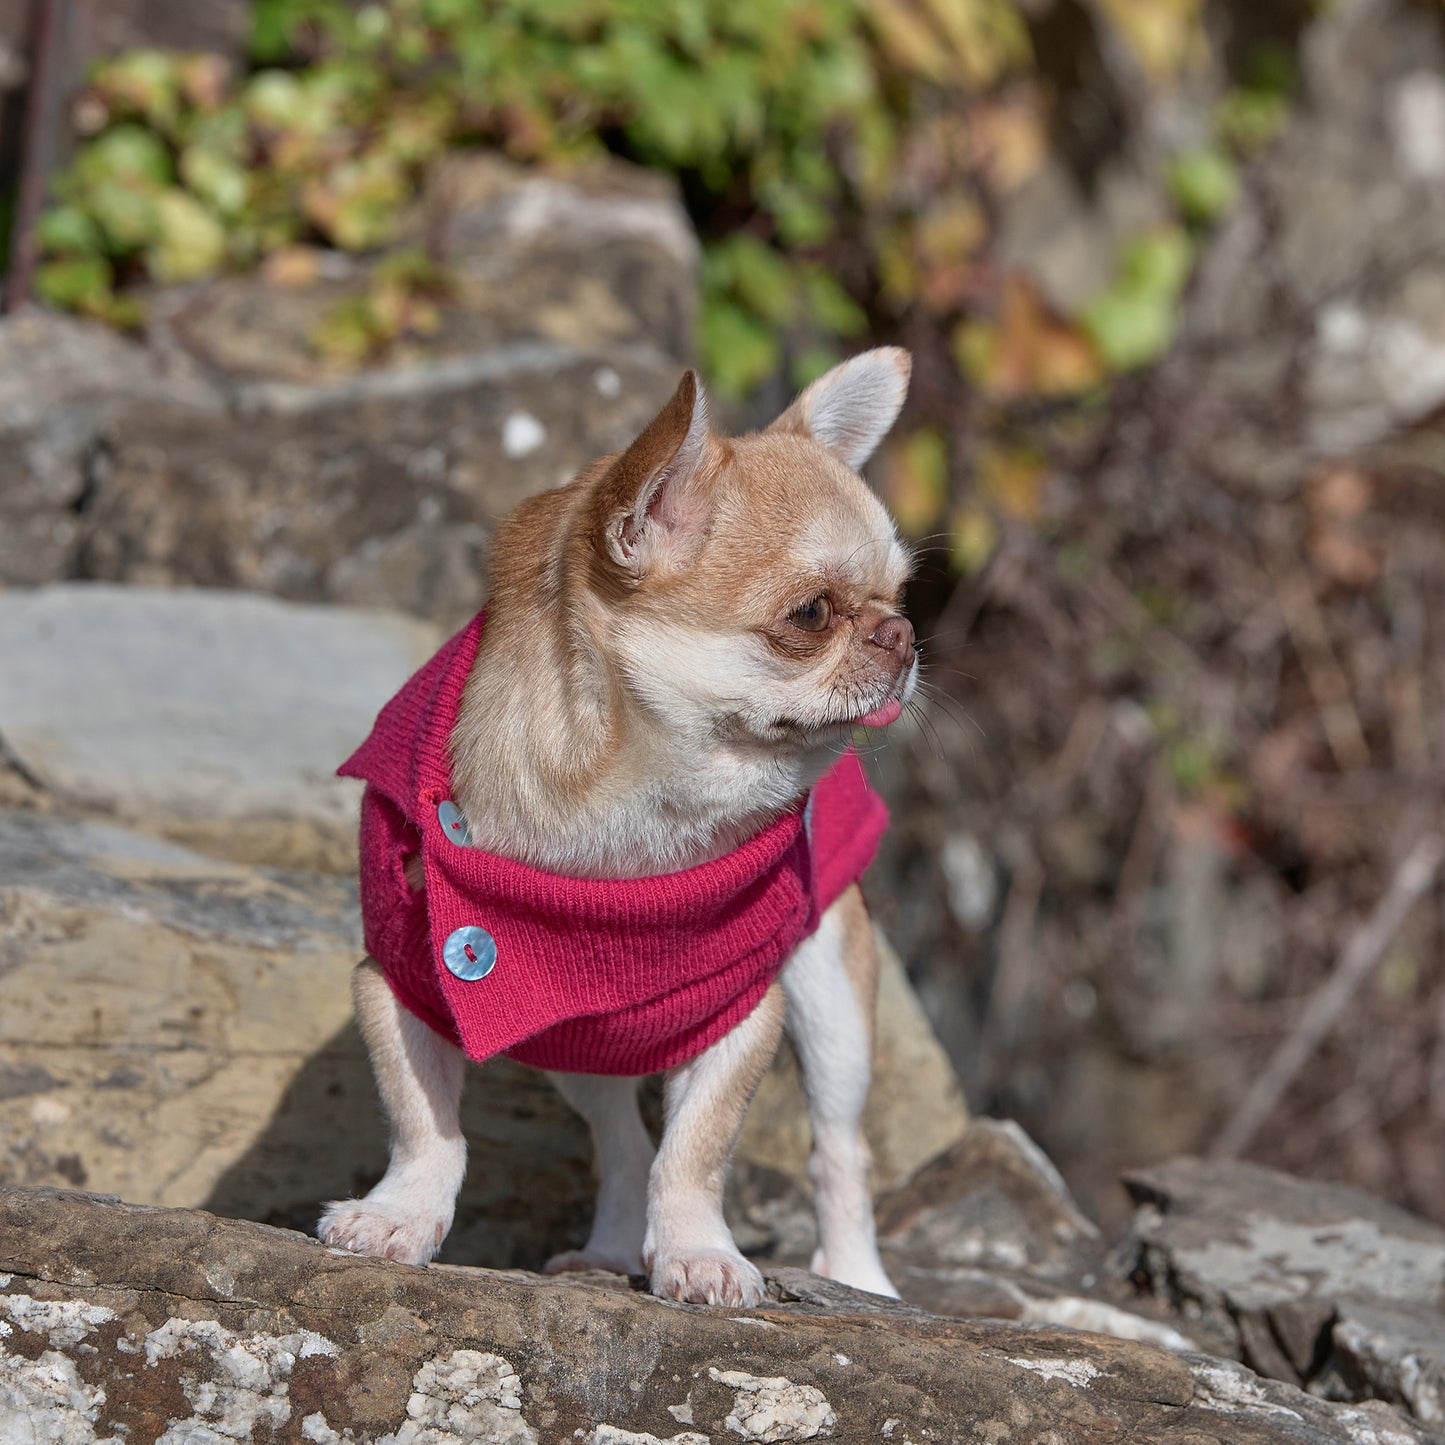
(1304, 1281)
(129, 1323)
(196, 704)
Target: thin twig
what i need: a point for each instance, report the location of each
(1330, 1000)
(40, 103)
(1327, 680)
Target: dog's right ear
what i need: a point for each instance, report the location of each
(645, 507)
(850, 409)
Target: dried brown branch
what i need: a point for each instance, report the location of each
(1327, 680)
(1329, 1001)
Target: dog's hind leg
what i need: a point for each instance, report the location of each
(624, 1153)
(831, 984)
(419, 1075)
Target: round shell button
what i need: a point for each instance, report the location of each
(453, 824)
(470, 953)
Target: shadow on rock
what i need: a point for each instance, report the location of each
(529, 1183)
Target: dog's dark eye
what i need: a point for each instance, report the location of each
(814, 616)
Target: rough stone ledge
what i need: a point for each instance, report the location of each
(120, 1321)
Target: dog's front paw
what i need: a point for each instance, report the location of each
(707, 1277)
(372, 1226)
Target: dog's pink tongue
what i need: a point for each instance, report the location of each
(880, 717)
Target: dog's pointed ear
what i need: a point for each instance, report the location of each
(645, 503)
(850, 409)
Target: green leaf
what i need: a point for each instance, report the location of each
(68, 228)
(274, 98)
(76, 283)
(128, 154)
(812, 363)
(763, 279)
(128, 216)
(833, 310)
(739, 352)
(1132, 322)
(191, 242)
(145, 81)
(216, 179)
(1130, 328)
(1204, 184)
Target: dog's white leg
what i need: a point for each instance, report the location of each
(419, 1076)
(624, 1155)
(689, 1249)
(831, 984)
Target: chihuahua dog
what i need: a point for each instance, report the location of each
(615, 828)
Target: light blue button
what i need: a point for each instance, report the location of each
(453, 824)
(470, 953)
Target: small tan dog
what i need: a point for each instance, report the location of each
(679, 645)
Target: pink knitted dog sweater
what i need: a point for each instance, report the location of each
(580, 975)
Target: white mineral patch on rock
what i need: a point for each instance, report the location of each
(1417, 118)
(1076, 1372)
(64, 1323)
(1368, 1429)
(468, 1398)
(236, 1384)
(316, 1429)
(770, 1408)
(612, 1435)
(1231, 1389)
(1101, 1319)
(46, 1398)
(522, 434)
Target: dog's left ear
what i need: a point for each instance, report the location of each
(850, 408)
(645, 507)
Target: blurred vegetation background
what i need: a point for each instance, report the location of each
(1184, 677)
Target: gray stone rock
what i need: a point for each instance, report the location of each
(1388, 1352)
(988, 1228)
(993, 1201)
(1316, 321)
(149, 1323)
(226, 452)
(61, 381)
(1308, 1282)
(197, 705)
(375, 499)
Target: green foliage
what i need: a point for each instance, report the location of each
(842, 159)
(402, 302)
(1204, 184)
(1132, 321)
(784, 116)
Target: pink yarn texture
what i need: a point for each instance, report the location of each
(599, 976)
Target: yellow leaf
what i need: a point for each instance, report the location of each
(953, 228)
(985, 36)
(915, 480)
(1028, 352)
(1007, 138)
(1165, 35)
(1013, 477)
(908, 39)
(972, 538)
(292, 267)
